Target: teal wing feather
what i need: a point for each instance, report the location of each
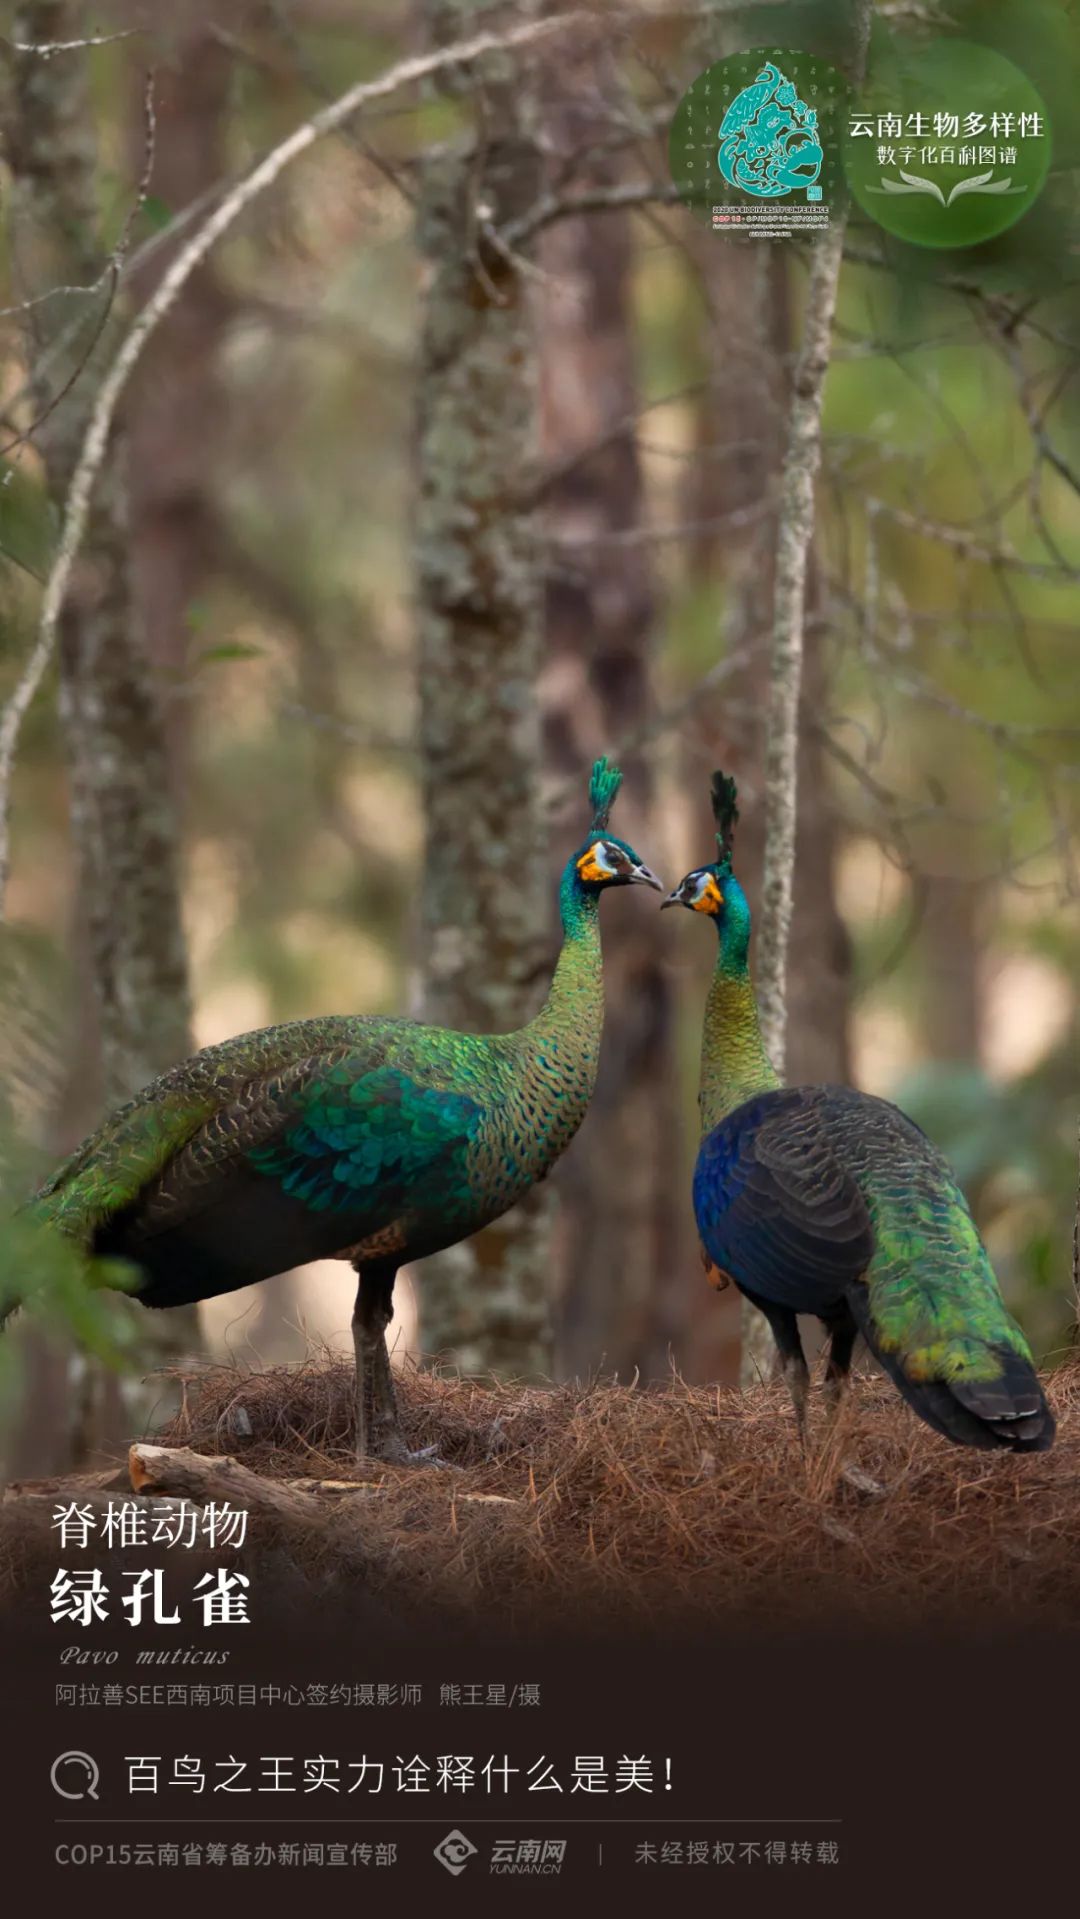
(356, 1134)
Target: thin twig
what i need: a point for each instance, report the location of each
(46, 48)
(109, 277)
(552, 207)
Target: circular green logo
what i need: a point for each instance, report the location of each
(947, 145)
(756, 143)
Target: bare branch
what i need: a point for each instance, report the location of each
(45, 49)
(108, 277)
(960, 539)
(638, 193)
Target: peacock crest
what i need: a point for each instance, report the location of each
(726, 815)
(603, 786)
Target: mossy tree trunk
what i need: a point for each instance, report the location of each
(130, 939)
(484, 929)
(175, 412)
(122, 817)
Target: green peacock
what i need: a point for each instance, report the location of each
(372, 1140)
(827, 1201)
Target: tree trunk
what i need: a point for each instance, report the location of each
(622, 1237)
(741, 424)
(738, 446)
(176, 419)
(122, 820)
(175, 409)
(951, 1009)
(485, 945)
(783, 727)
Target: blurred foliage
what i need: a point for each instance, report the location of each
(1014, 1151)
(45, 1277)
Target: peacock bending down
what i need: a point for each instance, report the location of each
(372, 1140)
(824, 1200)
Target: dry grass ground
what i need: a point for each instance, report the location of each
(640, 1500)
(566, 1501)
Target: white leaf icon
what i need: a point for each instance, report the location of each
(975, 183)
(918, 185)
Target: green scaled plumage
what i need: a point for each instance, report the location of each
(372, 1140)
(824, 1200)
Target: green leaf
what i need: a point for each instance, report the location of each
(156, 213)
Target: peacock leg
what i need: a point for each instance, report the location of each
(797, 1378)
(843, 1334)
(377, 1431)
(785, 1328)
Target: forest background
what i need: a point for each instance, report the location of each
(280, 764)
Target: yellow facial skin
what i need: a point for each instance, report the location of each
(589, 869)
(710, 899)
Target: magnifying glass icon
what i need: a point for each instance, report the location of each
(82, 1780)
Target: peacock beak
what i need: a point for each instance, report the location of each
(644, 876)
(677, 898)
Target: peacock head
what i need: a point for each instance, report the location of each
(604, 860)
(714, 890)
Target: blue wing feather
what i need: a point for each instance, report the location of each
(774, 1207)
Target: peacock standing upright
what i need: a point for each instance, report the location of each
(367, 1139)
(828, 1201)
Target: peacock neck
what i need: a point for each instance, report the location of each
(559, 1053)
(574, 1008)
(734, 1063)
